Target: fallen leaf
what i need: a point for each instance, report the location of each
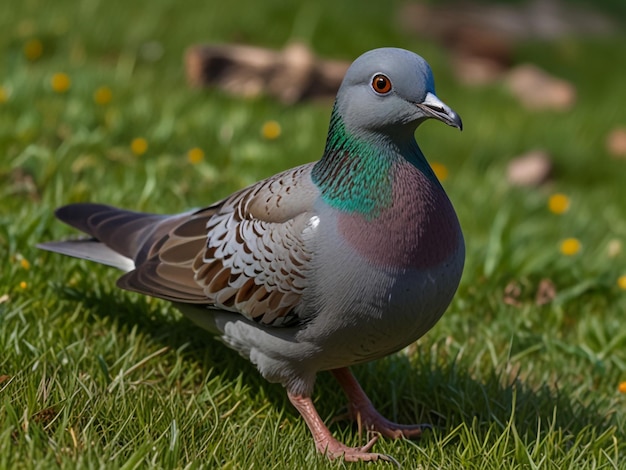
(45, 416)
(512, 294)
(616, 142)
(530, 169)
(475, 71)
(546, 292)
(536, 89)
(291, 75)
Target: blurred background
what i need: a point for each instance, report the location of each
(163, 105)
(159, 104)
(93, 67)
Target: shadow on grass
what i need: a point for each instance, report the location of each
(443, 393)
(417, 389)
(173, 330)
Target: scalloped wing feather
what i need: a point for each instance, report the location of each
(246, 254)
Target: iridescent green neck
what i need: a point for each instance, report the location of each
(355, 173)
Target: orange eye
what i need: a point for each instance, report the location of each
(381, 84)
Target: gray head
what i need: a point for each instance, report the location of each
(389, 89)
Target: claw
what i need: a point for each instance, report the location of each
(325, 443)
(363, 412)
(366, 416)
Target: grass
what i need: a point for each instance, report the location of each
(93, 377)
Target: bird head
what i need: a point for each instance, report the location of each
(388, 91)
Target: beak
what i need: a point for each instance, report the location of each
(433, 107)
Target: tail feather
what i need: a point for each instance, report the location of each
(128, 240)
(125, 232)
(121, 238)
(92, 250)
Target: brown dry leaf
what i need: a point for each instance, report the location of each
(291, 75)
(22, 182)
(4, 378)
(616, 142)
(45, 417)
(536, 89)
(482, 36)
(530, 169)
(473, 70)
(512, 294)
(546, 292)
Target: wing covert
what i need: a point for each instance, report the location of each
(249, 253)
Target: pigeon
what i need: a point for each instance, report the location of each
(321, 267)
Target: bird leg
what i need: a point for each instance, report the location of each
(325, 443)
(360, 408)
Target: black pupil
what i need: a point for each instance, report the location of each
(381, 83)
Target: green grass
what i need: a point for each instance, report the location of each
(94, 377)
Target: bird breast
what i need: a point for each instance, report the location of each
(381, 283)
(419, 229)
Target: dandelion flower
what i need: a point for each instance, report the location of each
(441, 171)
(271, 130)
(23, 285)
(622, 387)
(60, 82)
(24, 263)
(139, 146)
(103, 95)
(621, 282)
(195, 155)
(33, 49)
(558, 203)
(570, 246)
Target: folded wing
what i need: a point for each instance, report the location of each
(249, 253)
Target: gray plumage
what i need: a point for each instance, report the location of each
(321, 267)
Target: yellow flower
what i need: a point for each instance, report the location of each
(195, 155)
(139, 146)
(558, 203)
(4, 95)
(441, 171)
(103, 95)
(622, 387)
(60, 82)
(621, 282)
(23, 285)
(24, 263)
(570, 246)
(271, 130)
(32, 49)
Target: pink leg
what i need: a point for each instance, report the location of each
(362, 410)
(325, 443)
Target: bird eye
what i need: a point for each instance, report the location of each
(381, 84)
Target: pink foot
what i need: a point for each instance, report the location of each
(363, 412)
(325, 443)
(334, 449)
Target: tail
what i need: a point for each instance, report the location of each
(120, 238)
